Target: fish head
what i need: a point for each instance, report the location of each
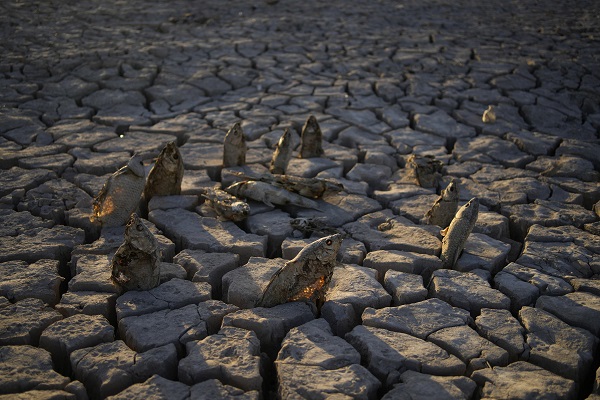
(327, 248)
(240, 210)
(235, 135)
(470, 210)
(139, 236)
(170, 157)
(136, 165)
(451, 191)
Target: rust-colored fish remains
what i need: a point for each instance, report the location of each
(120, 195)
(306, 277)
(424, 170)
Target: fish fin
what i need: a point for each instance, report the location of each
(444, 231)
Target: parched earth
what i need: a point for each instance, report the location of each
(84, 84)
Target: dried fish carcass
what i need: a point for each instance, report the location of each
(306, 277)
(120, 195)
(424, 170)
(282, 153)
(136, 264)
(455, 235)
(269, 194)
(166, 175)
(234, 147)
(227, 206)
(311, 139)
(444, 209)
(307, 187)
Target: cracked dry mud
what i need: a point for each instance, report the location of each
(85, 84)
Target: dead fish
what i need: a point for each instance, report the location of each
(269, 194)
(424, 170)
(136, 264)
(455, 235)
(227, 206)
(166, 175)
(444, 208)
(307, 187)
(234, 147)
(313, 225)
(282, 153)
(489, 115)
(311, 140)
(306, 277)
(120, 195)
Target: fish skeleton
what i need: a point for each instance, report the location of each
(227, 206)
(311, 140)
(307, 187)
(444, 208)
(136, 264)
(269, 194)
(234, 147)
(166, 175)
(306, 277)
(455, 235)
(120, 195)
(282, 153)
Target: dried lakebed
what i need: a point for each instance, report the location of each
(84, 85)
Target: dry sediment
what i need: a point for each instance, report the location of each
(85, 84)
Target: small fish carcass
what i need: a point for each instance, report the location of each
(444, 209)
(269, 194)
(306, 277)
(120, 195)
(226, 206)
(455, 235)
(282, 154)
(311, 139)
(166, 175)
(136, 264)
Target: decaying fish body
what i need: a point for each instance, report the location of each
(313, 225)
(120, 195)
(136, 264)
(227, 206)
(282, 153)
(424, 170)
(443, 210)
(455, 236)
(306, 277)
(269, 194)
(489, 115)
(307, 187)
(311, 140)
(234, 147)
(166, 175)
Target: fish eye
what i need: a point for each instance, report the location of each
(141, 163)
(328, 242)
(175, 156)
(468, 204)
(452, 188)
(139, 227)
